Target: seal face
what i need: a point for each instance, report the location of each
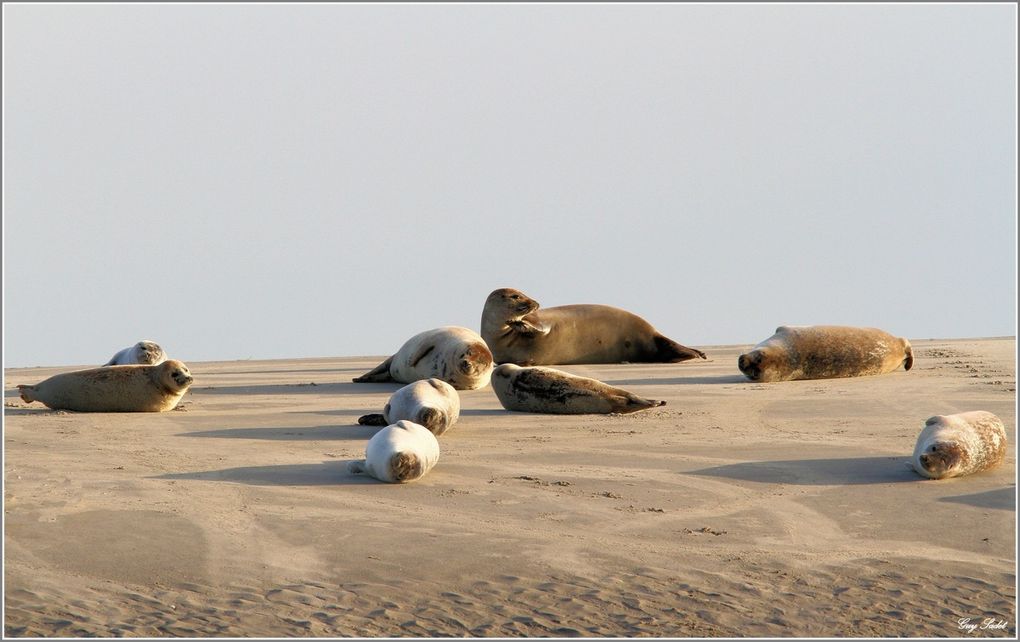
(961, 444)
(399, 453)
(518, 331)
(432, 403)
(144, 353)
(825, 352)
(453, 354)
(133, 388)
(546, 390)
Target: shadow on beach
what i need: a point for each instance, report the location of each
(1000, 498)
(299, 433)
(737, 378)
(818, 472)
(327, 473)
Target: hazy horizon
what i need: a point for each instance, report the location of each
(270, 181)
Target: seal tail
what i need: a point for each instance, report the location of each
(374, 419)
(406, 466)
(378, 374)
(27, 393)
(669, 351)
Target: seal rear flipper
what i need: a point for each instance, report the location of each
(374, 419)
(405, 466)
(627, 403)
(26, 393)
(378, 374)
(908, 361)
(669, 351)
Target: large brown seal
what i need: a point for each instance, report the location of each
(961, 444)
(454, 354)
(136, 388)
(400, 453)
(432, 403)
(825, 352)
(517, 331)
(547, 390)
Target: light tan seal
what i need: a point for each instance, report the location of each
(432, 403)
(825, 352)
(137, 388)
(144, 353)
(453, 354)
(517, 331)
(399, 453)
(961, 444)
(546, 390)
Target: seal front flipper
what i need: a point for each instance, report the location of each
(530, 325)
(374, 419)
(378, 374)
(671, 352)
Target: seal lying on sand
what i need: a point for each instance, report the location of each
(144, 353)
(137, 388)
(551, 391)
(399, 453)
(454, 354)
(825, 352)
(957, 445)
(517, 331)
(431, 403)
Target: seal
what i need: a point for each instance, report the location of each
(961, 444)
(134, 388)
(517, 331)
(546, 390)
(144, 352)
(432, 403)
(400, 453)
(825, 352)
(453, 354)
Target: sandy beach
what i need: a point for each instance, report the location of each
(738, 509)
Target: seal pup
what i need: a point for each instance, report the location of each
(454, 354)
(144, 352)
(517, 331)
(825, 352)
(135, 388)
(961, 444)
(400, 453)
(546, 390)
(432, 403)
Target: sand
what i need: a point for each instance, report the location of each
(738, 509)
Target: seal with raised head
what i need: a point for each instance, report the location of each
(517, 331)
(961, 444)
(551, 391)
(135, 388)
(451, 353)
(432, 403)
(144, 353)
(400, 453)
(825, 352)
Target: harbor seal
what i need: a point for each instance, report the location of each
(144, 352)
(400, 453)
(453, 354)
(546, 390)
(957, 445)
(432, 403)
(517, 331)
(825, 352)
(134, 388)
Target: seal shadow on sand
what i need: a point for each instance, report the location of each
(298, 433)
(1000, 498)
(327, 473)
(818, 472)
(737, 378)
(333, 388)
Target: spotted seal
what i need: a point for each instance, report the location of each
(453, 354)
(547, 390)
(400, 453)
(961, 444)
(134, 388)
(144, 352)
(432, 403)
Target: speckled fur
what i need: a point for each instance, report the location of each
(546, 390)
(960, 444)
(453, 354)
(433, 403)
(133, 388)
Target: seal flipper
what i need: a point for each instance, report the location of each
(669, 351)
(26, 393)
(908, 361)
(378, 374)
(627, 402)
(529, 326)
(374, 419)
(357, 467)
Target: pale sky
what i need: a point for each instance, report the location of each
(285, 181)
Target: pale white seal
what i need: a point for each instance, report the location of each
(143, 353)
(825, 352)
(399, 453)
(546, 390)
(432, 403)
(961, 444)
(137, 388)
(517, 331)
(453, 354)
